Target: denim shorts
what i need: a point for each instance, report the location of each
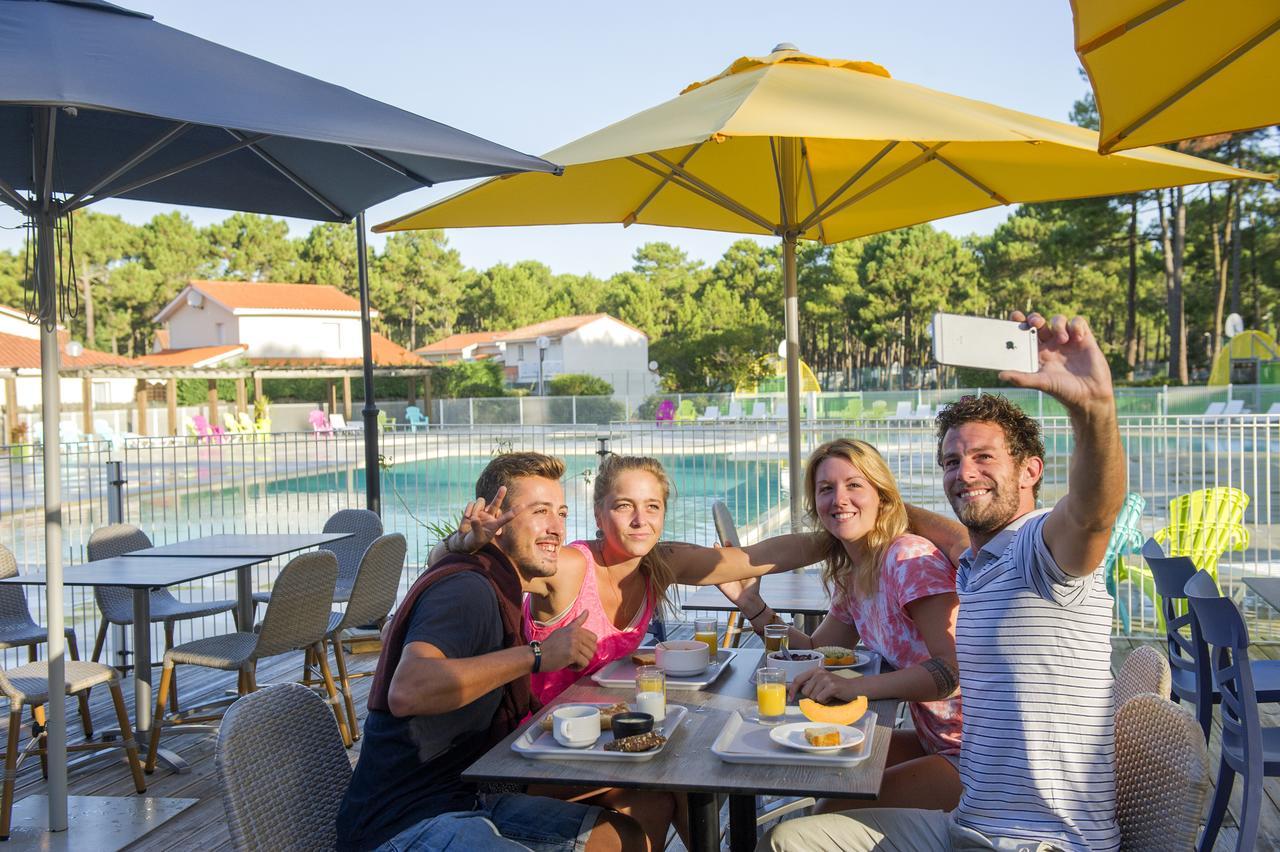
(504, 821)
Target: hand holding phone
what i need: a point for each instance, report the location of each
(990, 344)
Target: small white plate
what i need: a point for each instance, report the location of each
(860, 658)
(792, 736)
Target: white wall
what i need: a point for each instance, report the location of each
(18, 327)
(608, 349)
(109, 391)
(300, 337)
(190, 327)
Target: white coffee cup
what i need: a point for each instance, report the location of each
(576, 725)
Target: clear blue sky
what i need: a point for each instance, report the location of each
(536, 75)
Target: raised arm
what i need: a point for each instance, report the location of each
(705, 566)
(947, 535)
(1074, 371)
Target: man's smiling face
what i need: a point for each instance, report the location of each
(533, 537)
(985, 485)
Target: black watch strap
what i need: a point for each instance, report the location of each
(536, 647)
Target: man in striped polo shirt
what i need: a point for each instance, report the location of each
(1033, 633)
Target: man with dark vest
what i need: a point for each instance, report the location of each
(453, 680)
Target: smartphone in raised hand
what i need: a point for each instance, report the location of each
(990, 344)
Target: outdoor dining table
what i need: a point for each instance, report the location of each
(800, 594)
(141, 575)
(687, 764)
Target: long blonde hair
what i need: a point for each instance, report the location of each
(839, 569)
(655, 566)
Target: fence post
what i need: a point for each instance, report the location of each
(471, 411)
(1164, 400)
(574, 400)
(1039, 405)
(115, 492)
(1229, 390)
(520, 408)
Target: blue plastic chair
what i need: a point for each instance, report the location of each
(1248, 749)
(1126, 538)
(1188, 653)
(416, 418)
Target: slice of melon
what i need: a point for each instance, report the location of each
(834, 714)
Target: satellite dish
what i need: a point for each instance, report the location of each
(1233, 326)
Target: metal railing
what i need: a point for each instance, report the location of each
(179, 488)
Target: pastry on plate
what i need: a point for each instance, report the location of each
(822, 736)
(834, 655)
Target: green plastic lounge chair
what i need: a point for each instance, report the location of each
(1205, 524)
(1127, 538)
(686, 412)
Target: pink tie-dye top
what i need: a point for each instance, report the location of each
(612, 643)
(913, 569)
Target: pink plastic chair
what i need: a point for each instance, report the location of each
(320, 422)
(666, 411)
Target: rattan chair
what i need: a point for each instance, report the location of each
(372, 596)
(1144, 670)
(365, 526)
(282, 770)
(1162, 775)
(19, 629)
(297, 618)
(28, 686)
(116, 603)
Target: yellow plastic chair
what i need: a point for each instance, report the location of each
(1205, 524)
(686, 412)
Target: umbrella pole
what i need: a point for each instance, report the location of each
(50, 411)
(372, 472)
(791, 307)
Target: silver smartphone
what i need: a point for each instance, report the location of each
(990, 344)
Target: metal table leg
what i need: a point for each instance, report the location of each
(742, 823)
(244, 599)
(704, 822)
(142, 700)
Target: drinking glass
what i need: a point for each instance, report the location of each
(651, 692)
(771, 695)
(776, 637)
(704, 630)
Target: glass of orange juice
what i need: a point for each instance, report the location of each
(704, 630)
(771, 695)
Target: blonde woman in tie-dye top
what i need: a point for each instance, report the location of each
(897, 593)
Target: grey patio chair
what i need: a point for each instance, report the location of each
(372, 596)
(116, 603)
(1162, 775)
(365, 526)
(1144, 670)
(18, 628)
(282, 770)
(28, 686)
(297, 618)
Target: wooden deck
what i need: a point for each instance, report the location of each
(203, 826)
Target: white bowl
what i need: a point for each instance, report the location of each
(794, 667)
(683, 657)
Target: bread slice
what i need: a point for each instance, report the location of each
(822, 735)
(644, 658)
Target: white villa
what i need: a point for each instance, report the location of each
(594, 344)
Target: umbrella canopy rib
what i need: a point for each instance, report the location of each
(316, 195)
(404, 171)
(137, 159)
(194, 162)
(988, 191)
(1198, 81)
(678, 176)
(13, 199)
(820, 210)
(630, 218)
(1131, 24)
(46, 127)
(927, 156)
(813, 190)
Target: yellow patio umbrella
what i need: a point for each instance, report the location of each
(808, 148)
(1165, 70)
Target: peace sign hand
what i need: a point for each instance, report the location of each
(481, 521)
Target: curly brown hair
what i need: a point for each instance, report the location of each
(1021, 431)
(508, 467)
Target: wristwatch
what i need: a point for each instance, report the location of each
(536, 647)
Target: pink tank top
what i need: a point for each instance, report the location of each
(612, 644)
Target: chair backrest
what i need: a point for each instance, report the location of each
(1274, 409)
(412, 413)
(686, 410)
(115, 602)
(365, 526)
(780, 410)
(903, 410)
(712, 412)
(246, 422)
(376, 582)
(725, 527)
(319, 421)
(297, 615)
(1205, 524)
(924, 411)
(1171, 574)
(202, 425)
(1162, 774)
(1144, 670)
(13, 600)
(1235, 406)
(337, 421)
(758, 409)
(282, 770)
(1215, 408)
(735, 410)
(1125, 535)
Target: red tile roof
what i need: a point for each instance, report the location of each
(257, 295)
(386, 353)
(458, 342)
(23, 353)
(204, 356)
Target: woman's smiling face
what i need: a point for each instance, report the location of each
(632, 514)
(846, 502)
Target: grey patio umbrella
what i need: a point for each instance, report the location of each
(97, 101)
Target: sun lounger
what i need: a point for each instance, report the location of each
(712, 413)
(758, 410)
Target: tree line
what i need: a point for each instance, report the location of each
(1157, 273)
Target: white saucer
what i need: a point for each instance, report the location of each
(792, 736)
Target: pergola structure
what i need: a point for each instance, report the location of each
(169, 376)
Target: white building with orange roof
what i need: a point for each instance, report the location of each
(269, 324)
(590, 344)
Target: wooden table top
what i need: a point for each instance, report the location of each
(687, 763)
(137, 572)
(1267, 588)
(789, 591)
(262, 545)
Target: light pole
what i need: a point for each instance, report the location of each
(542, 343)
(657, 380)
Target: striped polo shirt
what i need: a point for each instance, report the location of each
(1033, 643)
